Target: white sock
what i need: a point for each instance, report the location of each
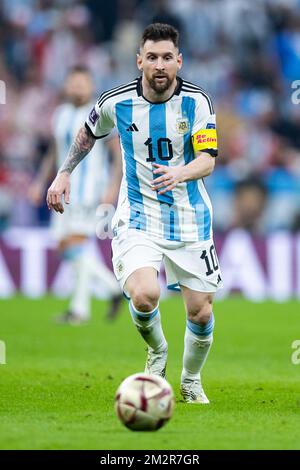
(197, 343)
(149, 326)
(80, 298)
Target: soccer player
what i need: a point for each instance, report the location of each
(167, 129)
(92, 184)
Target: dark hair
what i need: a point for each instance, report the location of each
(79, 69)
(253, 182)
(160, 32)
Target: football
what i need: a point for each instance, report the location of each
(144, 402)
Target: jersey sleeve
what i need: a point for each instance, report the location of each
(100, 120)
(204, 132)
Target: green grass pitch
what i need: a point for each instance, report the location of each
(57, 387)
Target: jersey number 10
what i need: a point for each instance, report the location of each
(210, 260)
(160, 146)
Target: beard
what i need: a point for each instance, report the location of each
(160, 87)
(79, 100)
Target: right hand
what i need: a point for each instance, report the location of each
(60, 186)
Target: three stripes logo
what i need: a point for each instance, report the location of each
(132, 128)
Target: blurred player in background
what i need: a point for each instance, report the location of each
(167, 129)
(92, 184)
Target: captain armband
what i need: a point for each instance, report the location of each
(206, 140)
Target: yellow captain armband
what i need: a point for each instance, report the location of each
(206, 140)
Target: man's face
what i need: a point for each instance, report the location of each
(159, 61)
(79, 88)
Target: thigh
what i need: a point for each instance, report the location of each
(132, 252)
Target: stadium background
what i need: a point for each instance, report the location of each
(247, 55)
(247, 58)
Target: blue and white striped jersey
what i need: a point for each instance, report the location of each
(160, 133)
(89, 179)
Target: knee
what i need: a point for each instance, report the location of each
(201, 313)
(145, 300)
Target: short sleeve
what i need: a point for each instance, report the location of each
(204, 133)
(100, 119)
(205, 117)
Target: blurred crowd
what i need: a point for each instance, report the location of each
(246, 54)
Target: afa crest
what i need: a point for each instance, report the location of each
(120, 268)
(182, 125)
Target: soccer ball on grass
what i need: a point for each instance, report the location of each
(144, 402)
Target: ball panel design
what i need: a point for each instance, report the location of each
(144, 402)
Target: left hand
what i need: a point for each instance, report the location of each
(171, 176)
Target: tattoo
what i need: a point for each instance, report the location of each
(81, 146)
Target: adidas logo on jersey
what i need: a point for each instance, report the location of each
(132, 128)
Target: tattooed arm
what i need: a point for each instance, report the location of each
(81, 146)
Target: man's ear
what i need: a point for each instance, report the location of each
(139, 62)
(179, 61)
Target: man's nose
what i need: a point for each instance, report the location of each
(160, 63)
